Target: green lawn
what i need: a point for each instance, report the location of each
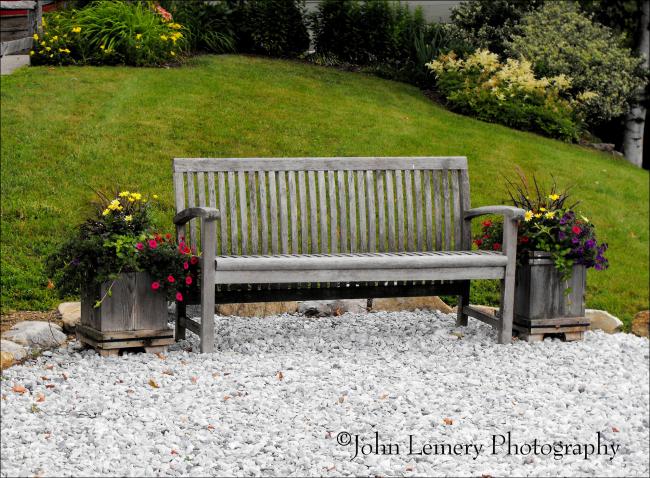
(65, 130)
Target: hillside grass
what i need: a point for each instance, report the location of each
(67, 130)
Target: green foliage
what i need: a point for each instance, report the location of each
(490, 24)
(208, 26)
(559, 39)
(109, 32)
(623, 16)
(506, 93)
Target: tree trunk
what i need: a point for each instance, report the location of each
(635, 119)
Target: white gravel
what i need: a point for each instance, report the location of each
(278, 392)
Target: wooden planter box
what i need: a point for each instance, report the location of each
(541, 305)
(132, 316)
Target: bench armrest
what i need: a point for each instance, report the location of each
(508, 212)
(206, 213)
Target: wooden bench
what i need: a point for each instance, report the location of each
(276, 229)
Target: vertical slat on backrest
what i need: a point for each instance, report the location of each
(426, 177)
(284, 212)
(343, 212)
(361, 191)
(465, 206)
(419, 209)
(273, 219)
(390, 202)
(221, 179)
(437, 208)
(372, 218)
(234, 222)
(243, 211)
(399, 203)
(381, 211)
(293, 215)
(352, 201)
(456, 205)
(447, 212)
(191, 202)
(333, 216)
(264, 211)
(313, 212)
(410, 227)
(322, 211)
(212, 202)
(179, 197)
(252, 201)
(304, 213)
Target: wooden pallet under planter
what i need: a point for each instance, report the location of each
(541, 305)
(132, 316)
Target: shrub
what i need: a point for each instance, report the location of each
(506, 93)
(271, 27)
(559, 39)
(110, 32)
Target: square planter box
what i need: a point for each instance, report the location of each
(542, 305)
(132, 316)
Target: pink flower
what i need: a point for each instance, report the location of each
(181, 246)
(179, 297)
(194, 260)
(139, 246)
(170, 279)
(576, 230)
(188, 280)
(152, 243)
(186, 265)
(155, 285)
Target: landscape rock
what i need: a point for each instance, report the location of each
(640, 323)
(395, 304)
(257, 309)
(605, 147)
(603, 320)
(326, 308)
(6, 360)
(17, 351)
(70, 315)
(36, 334)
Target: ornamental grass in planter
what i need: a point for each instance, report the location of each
(125, 273)
(555, 247)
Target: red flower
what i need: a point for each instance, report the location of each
(170, 279)
(487, 223)
(186, 250)
(186, 265)
(152, 243)
(194, 260)
(523, 239)
(478, 242)
(188, 280)
(168, 236)
(155, 285)
(576, 230)
(181, 246)
(179, 297)
(486, 236)
(139, 246)
(496, 246)
(164, 13)
(158, 237)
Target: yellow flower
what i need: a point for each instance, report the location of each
(43, 43)
(131, 199)
(528, 216)
(538, 215)
(172, 53)
(51, 56)
(135, 197)
(48, 48)
(55, 37)
(64, 50)
(31, 52)
(554, 197)
(35, 36)
(128, 218)
(175, 26)
(549, 215)
(101, 47)
(106, 212)
(155, 196)
(44, 22)
(163, 37)
(76, 29)
(543, 209)
(138, 36)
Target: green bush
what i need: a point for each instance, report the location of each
(507, 93)
(559, 39)
(110, 32)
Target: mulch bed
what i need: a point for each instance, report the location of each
(7, 321)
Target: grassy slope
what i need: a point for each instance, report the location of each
(65, 129)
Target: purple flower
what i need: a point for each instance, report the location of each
(561, 236)
(575, 240)
(590, 244)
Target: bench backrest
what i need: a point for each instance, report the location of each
(328, 205)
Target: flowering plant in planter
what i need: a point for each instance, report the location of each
(119, 238)
(549, 225)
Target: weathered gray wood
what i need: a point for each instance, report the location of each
(447, 211)
(179, 196)
(284, 212)
(223, 237)
(457, 211)
(208, 235)
(200, 184)
(293, 206)
(352, 198)
(188, 214)
(419, 210)
(399, 202)
(343, 200)
(18, 5)
(14, 46)
(252, 201)
(264, 211)
(508, 282)
(480, 315)
(313, 212)
(234, 223)
(361, 202)
(333, 215)
(322, 205)
(382, 241)
(273, 220)
(304, 213)
(428, 209)
(410, 229)
(318, 164)
(390, 206)
(465, 206)
(191, 202)
(437, 207)
(243, 212)
(372, 215)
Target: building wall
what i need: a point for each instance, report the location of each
(434, 10)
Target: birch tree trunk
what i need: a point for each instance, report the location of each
(635, 119)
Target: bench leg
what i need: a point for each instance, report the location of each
(463, 300)
(508, 282)
(208, 250)
(181, 314)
